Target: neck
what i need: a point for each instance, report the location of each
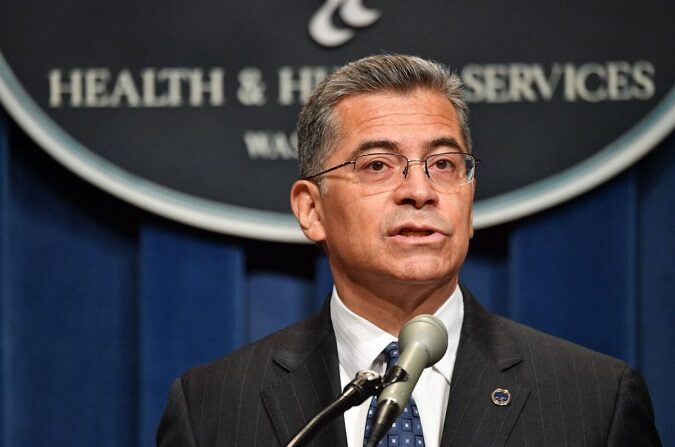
(391, 305)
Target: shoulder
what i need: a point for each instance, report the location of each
(535, 344)
(211, 399)
(602, 393)
(556, 371)
(260, 359)
(602, 397)
(503, 341)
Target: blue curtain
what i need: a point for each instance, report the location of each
(103, 305)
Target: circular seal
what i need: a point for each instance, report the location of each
(500, 397)
(195, 121)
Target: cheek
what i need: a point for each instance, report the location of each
(459, 216)
(462, 210)
(341, 220)
(355, 228)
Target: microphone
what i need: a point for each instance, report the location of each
(422, 342)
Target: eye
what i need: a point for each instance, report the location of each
(443, 163)
(375, 165)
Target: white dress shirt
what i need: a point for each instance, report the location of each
(360, 344)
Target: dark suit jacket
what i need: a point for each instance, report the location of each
(562, 394)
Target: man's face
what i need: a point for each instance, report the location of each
(413, 233)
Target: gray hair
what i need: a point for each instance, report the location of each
(318, 129)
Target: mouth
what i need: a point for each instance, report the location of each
(414, 232)
(410, 232)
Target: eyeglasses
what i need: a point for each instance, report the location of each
(380, 171)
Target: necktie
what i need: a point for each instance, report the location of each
(407, 429)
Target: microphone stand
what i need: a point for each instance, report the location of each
(387, 411)
(366, 384)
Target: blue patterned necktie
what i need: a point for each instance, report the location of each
(407, 429)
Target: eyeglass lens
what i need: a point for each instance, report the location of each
(447, 170)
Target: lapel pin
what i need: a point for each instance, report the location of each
(500, 397)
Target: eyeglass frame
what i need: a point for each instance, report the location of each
(476, 162)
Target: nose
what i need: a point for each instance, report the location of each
(420, 163)
(416, 188)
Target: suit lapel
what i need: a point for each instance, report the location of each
(310, 383)
(485, 360)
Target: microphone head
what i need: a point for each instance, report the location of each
(429, 332)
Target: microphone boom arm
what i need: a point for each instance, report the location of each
(366, 384)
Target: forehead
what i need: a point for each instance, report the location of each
(404, 118)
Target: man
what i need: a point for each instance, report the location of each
(387, 188)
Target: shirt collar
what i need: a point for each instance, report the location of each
(360, 342)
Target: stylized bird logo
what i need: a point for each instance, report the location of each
(352, 12)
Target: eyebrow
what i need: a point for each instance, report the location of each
(393, 147)
(375, 144)
(445, 141)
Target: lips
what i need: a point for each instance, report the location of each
(409, 232)
(412, 230)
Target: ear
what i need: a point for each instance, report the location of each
(473, 192)
(471, 220)
(308, 209)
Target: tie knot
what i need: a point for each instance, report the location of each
(391, 354)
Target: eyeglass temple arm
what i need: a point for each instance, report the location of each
(351, 162)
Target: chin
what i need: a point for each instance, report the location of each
(423, 272)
